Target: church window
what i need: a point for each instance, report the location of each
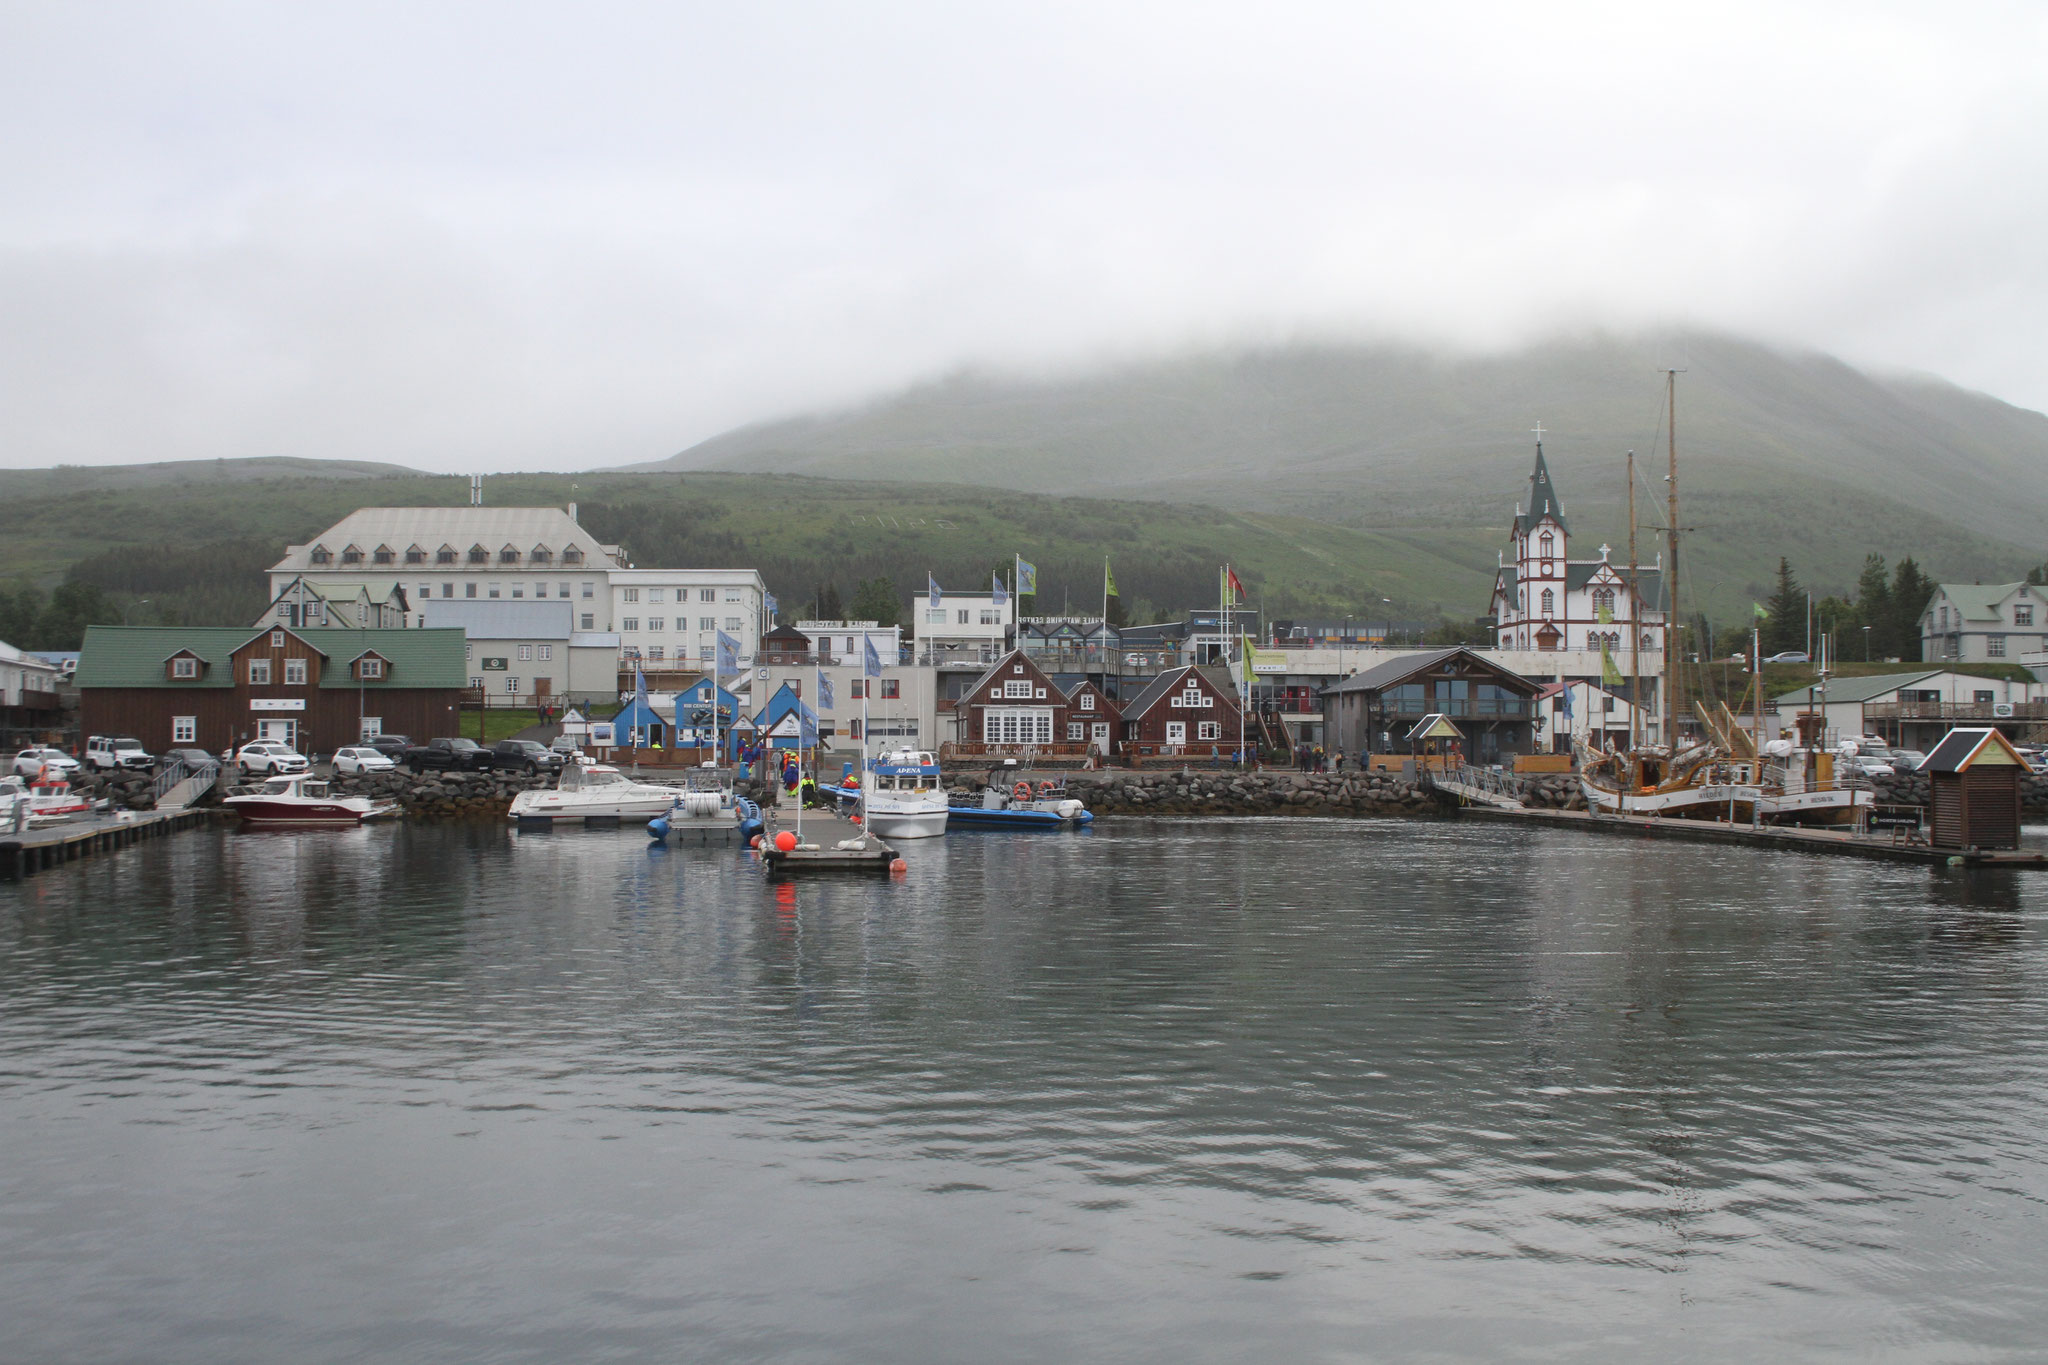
(1549, 601)
(1549, 544)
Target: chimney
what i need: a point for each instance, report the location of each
(572, 511)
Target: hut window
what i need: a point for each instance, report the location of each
(184, 729)
(185, 668)
(1087, 701)
(370, 668)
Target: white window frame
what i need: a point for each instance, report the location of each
(547, 653)
(295, 673)
(526, 653)
(370, 728)
(629, 594)
(187, 667)
(512, 684)
(1016, 725)
(1176, 732)
(259, 672)
(184, 729)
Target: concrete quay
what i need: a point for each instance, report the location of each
(38, 850)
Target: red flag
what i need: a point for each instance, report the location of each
(1236, 586)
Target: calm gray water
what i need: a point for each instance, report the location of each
(1299, 1090)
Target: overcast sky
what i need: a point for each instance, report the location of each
(498, 236)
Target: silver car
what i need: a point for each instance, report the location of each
(29, 762)
(361, 758)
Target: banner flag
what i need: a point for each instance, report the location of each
(728, 655)
(1567, 695)
(1027, 579)
(871, 662)
(936, 595)
(1609, 674)
(825, 701)
(1236, 584)
(1604, 614)
(1001, 596)
(1108, 580)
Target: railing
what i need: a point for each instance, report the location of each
(1471, 708)
(167, 777)
(35, 700)
(1957, 710)
(964, 749)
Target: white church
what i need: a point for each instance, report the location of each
(1544, 600)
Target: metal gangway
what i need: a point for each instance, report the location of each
(1494, 787)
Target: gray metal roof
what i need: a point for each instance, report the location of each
(1858, 689)
(1402, 667)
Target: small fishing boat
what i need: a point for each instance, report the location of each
(45, 801)
(905, 799)
(706, 808)
(597, 791)
(1019, 807)
(302, 799)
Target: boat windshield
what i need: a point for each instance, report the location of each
(582, 778)
(277, 786)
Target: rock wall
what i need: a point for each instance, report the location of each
(127, 790)
(1279, 793)
(444, 796)
(1910, 789)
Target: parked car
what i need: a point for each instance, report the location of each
(29, 762)
(448, 755)
(1870, 765)
(269, 757)
(1906, 760)
(106, 752)
(195, 759)
(1790, 656)
(361, 758)
(392, 747)
(525, 755)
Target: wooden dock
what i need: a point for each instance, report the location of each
(823, 833)
(38, 850)
(1846, 843)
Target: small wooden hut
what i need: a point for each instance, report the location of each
(1436, 741)
(1973, 779)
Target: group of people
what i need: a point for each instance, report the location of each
(1313, 758)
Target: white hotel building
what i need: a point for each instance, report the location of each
(531, 554)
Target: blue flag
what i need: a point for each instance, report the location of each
(936, 594)
(1000, 596)
(728, 655)
(806, 726)
(873, 662)
(825, 701)
(1567, 694)
(768, 603)
(1027, 579)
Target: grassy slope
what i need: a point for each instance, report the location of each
(802, 530)
(1781, 453)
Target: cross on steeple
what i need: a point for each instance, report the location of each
(1539, 431)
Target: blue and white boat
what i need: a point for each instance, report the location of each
(905, 799)
(1020, 807)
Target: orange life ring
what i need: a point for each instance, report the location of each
(1045, 791)
(1022, 791)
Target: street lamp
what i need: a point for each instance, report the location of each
(1866, 644)
(131, 607)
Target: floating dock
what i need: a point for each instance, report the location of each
(1847, 843)
(38, 850)
(820, 849)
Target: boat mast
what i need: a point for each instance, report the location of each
(1674, 625)
(1635, 611)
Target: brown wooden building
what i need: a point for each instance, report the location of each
(1093, 718)
(1373, 711)
(1015, 705)
(213, 687)
(1973, 790)
(1184, 710)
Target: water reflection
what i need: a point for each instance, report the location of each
(1382, 1089)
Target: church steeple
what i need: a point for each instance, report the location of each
(1542, 495)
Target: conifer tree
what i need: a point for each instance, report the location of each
(1786, 627)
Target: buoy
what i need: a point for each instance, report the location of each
(657, 828)
(899, 866)
(786, 840)
(754, 842)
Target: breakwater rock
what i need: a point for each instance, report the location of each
(1910, 789)
(126, 790)
(1196, 792)
(444, 796)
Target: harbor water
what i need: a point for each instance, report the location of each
(1287, 1090)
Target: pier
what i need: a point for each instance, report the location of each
(820, 850)
(31, 851)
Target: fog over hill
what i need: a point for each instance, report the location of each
(1780, 451)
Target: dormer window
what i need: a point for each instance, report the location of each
(352, 555)
(445, 555)
(320, 555)
(382, 555)
(508, 555)
(369, 668)
(185, 666)
(479, 555)
(415, 555)
(572, 555)
(540, 554)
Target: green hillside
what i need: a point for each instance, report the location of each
(195, 549)
(1780, 453)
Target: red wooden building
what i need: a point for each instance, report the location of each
(212, 687)
(1184, 710)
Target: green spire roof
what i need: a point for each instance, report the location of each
(1542, 498)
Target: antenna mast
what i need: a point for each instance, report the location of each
(1635, 612)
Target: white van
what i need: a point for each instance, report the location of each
(117, 751)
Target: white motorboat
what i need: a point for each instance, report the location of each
(302, 799)
(49, 800)
(905, 799)
(596, 791)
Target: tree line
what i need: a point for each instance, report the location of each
(1886, 604)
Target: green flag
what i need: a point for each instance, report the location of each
(1108, 580)
(1763, 613)
(1608, 672)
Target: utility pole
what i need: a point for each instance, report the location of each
(1635, 613)
(1674, 625)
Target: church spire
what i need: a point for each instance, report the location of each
(1542, 494)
